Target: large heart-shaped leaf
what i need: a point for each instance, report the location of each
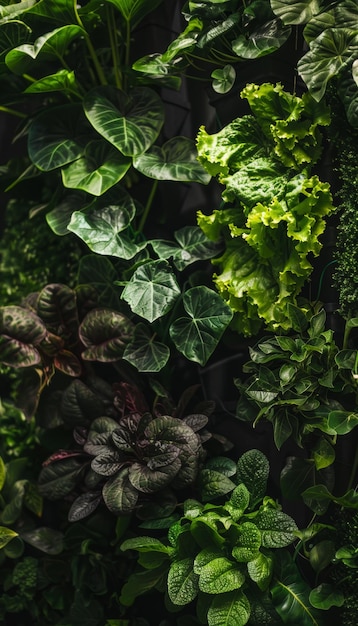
(295, 11)
(98, 169)
(265, 40)
(105, 334)
(175, 160)
(328, 53)
(197, 335)
(11, 11)
(12, 34)
(57, 137)
(48, 47)
(20, 332)
(59, 217)
(146, 354)
(131, 122)
(134, 11)
(103, 228)
(152, 290)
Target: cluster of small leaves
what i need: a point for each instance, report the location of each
(222, 32)
(223, 556)
(331, 33)
(296, 382)
(19, 436)
(129, 458)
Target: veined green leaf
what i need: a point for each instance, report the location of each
(260, 570)
(146, 354)
(6, 535)
(253, 471)
(342, 421)
(182, 582)
(131, 123)
(99, 272)
(264, 40)
(229, 609)
(277, 528)
(152, 290)
(248, 542)
(325, 596)
(295, 11)
(63, 80)
(175, 160)
(119, 494)
(12, 34)
(134, 11)
(223, 79)
(220, 575)
(193, 245)
(11, 11)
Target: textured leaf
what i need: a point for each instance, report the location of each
(6, 535)
(295, 11)
(214, 484)
(248, 544)
(147, 480)
(264, 40)
(253, 470)
(152, 290)
(57, 137)
(99, 435)
(231, 609)
(193, 246)
(131, 122)
(12, 34)
(223, 79)
(59, 217)
(21, 331)
(175, 160)
(58, 479)
(99, 168)
(146, 354)
(84, 505)
(198, 334)
(260, 570)
(277, 528)
(220, 576)
(105, 334)
(182, 582)
(119, 495)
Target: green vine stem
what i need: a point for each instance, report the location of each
(147, 207)
(13, 112)
(114, 45)
(96, 63)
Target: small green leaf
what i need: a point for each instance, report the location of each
(220, 575)
(325, 596)
(6, 535)
(214, 484)
(253, 470)
(342, 421)
(152, 290)
(223, 79)
(321, 555)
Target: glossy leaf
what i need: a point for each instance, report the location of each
(231, 609)
(21, 332)
(248, 542)
(59, 217)
(148, 480)
(260, 570)
(264, 40)
(152, 290)
(9, 12)
(182, 582)
(197, 334)
(57, 11)
(134, 11)
(277, 528)
(6, 535)
(342, 421)
(98, 169)
(214, 484)
(325, 596)
(146, 354)
(63, 80)
(131, 123)
(57, 137)
(192, 245)
(105, 333)
(12, 34)
(223, 79)
(326, 57)
(48, 47)
(176, 160)
(119, 494)
(295, 11)
(59, 478)
(57, 307)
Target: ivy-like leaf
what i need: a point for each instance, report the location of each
(146, 354)
(342, 421)
(198, 334)
(131, 122)
(152, 290)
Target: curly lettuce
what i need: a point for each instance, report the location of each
(274, 210)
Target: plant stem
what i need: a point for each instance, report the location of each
(114, 45)
(147, 207)
(96, 63)
(353, 471)
(12, 112)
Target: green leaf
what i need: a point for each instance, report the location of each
(176, 160)
(57, 137)
(2, 472)
(145, 544)
(325, 596)
(134, 11)
(6, 535)
(59, 217)
(220, 575)
(103, 229)
(323, 454)
(49, 47)
(239, 501)
(197, 335)
(328, 53)
(248, 542)
(264, 40)
(342, 421)
(295, 11)
(97, 170)
(9, 12)
(182, 582)
(12, 34)
(152, 290)
(105, 333)
(290, 594)
(214, 484)
(277, 528)
(146, 354)
(63, 80)
(253, 470)
(193, 246)
(321, 555)
(231, 609)
(131, 122)
(141, 582)
(223, 79)
(46, 539)
(321, 494)
(260, 570)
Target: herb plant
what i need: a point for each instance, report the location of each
(227, 556)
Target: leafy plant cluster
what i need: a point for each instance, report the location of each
(273, 207)
(227, 557)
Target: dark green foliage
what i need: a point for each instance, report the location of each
(345, 576)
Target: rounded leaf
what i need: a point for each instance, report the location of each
(105, 334)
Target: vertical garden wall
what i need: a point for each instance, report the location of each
(178, 312)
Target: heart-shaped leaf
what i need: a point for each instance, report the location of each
(146, 354)
(175, 160)
(98, 169)
(48, 47)
(152, 290)
(9, 12)
(295, 11)
(131, 122)
(59, 217)
(198, 334)
(57, 137)
(265, 40)
(105, 334)
(12, 34)
(63, 80)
